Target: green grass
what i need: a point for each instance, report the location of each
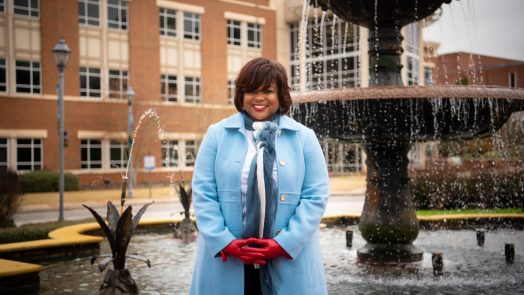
(469, 211)
(40, 231)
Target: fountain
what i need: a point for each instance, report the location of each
(388, 117)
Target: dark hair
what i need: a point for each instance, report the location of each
(257, 75)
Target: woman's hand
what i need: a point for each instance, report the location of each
(269, 248)
(235, 249)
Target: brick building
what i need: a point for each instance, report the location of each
(475, 69)
(180, 57)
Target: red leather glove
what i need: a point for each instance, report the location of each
(235, 249)
(269, 248)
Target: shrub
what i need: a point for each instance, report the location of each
(448, 189)
(9, 196)
(47, 181)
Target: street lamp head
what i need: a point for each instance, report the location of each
(61, 53)
(130, 94)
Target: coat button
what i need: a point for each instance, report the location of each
(282, 197)
(282, 162)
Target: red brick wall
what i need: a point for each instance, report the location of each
(479, 69)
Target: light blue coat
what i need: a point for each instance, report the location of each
(303, 193)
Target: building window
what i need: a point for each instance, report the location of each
(89, 12)
(26, 7)
(233, 32)
(428, 76)
(342, 158)
(332, 60)
(89, 82)
(2, 5)
(254, 32)
(191, 152)
(412, 70)
(91, 154)
(192, 89)
(28, 154)
(230, 91)
(3, 75)
(191, 26)
(117, 83)
(170, 153)
(412, 38)
(512, 80)
(168, 88)
(118, 154)
(27, 77)
(412, 45)
(167, 22)
(3, 153)
(117, 14)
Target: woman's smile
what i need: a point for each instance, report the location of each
(261, 104)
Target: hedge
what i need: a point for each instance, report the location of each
(47, 181)
(445, 189)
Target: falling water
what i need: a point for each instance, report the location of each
(302, 47)
(375, 21)
(150, 114)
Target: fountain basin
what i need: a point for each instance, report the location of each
(407, 114)
(468, 269)
(369, 13)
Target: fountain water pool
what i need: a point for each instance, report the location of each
(468, 268)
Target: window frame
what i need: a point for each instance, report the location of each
(190, 152)
(193, 31)
(90, 144)
(122, 81)
(234, 26)
(193, 83)
(230, 91)
(168, 147)
(512, 79)
(3, 67)
(87, 19)
(167, 80)
(2, 5)
(33, 68)
(27, 11)
(35, 148)
(123, 15)
(122, 148)
(88, 75)
(165, 14)
(256, 30)
(4, 148)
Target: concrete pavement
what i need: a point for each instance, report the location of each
(346, 196)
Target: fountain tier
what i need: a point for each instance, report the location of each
(388, 117)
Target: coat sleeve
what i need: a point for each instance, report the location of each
(313, 200)
(209, 218)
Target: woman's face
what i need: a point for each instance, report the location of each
(261, 105)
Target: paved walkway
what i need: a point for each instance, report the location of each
(347, 196)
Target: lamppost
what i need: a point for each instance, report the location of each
(61, 53)
(130, 94)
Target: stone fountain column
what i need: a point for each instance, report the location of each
(388, 222)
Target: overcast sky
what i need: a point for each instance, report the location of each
(489, 27)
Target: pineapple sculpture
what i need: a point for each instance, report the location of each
(118, 231)
(185, 230)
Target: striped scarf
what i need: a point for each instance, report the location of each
(261, 194)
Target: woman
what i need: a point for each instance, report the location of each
(260, 187)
